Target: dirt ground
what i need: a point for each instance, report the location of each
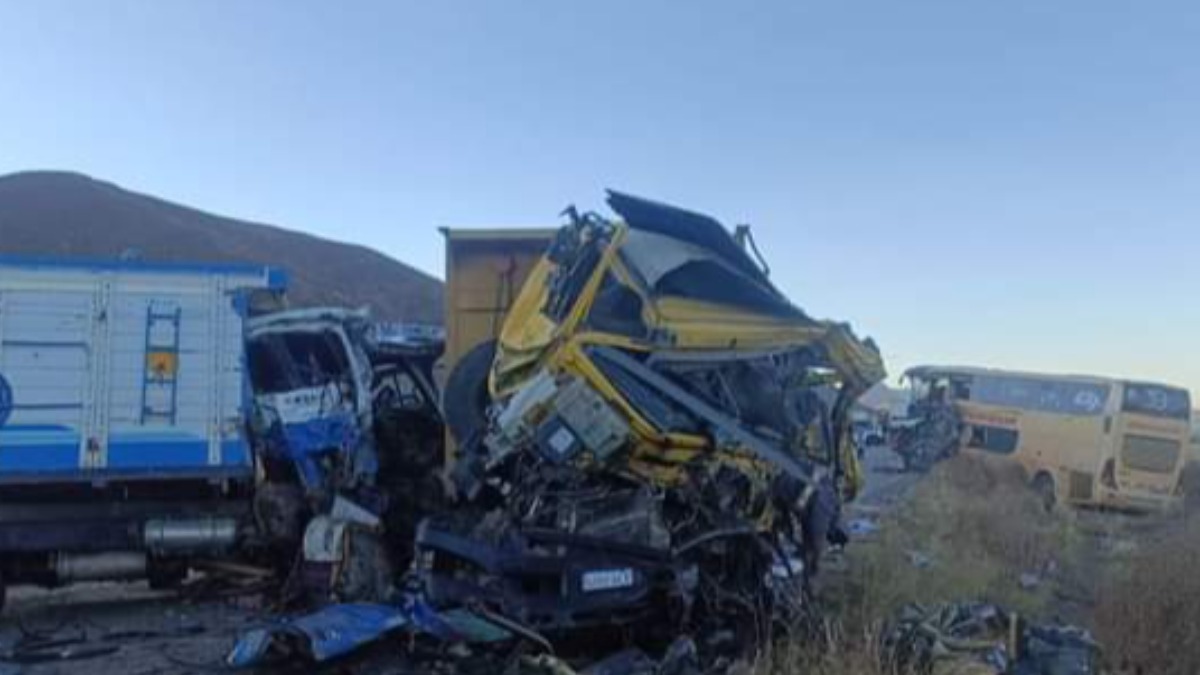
(129, 628)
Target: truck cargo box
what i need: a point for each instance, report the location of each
(123, 371)
(485, 270)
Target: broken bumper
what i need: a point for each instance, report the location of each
(549, 580)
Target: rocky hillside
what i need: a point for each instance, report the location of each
(66, 214)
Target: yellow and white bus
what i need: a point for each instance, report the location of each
(1082, 440)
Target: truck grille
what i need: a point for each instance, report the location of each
(1146, 453)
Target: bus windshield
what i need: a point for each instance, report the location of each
(1157, 401)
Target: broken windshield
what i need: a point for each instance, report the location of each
(1157, 401)
(282, 362)
(673, 267)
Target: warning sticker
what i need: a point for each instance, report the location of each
(162, 365)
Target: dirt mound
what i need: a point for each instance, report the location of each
(67, 214)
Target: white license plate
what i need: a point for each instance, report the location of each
(607, 580)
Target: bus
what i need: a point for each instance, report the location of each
(1086, 441)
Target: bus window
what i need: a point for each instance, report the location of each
(1157, 401)
(994, 439)
(1059, 397)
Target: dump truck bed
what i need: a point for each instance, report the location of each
(485, 270)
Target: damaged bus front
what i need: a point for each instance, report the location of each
(658, 436)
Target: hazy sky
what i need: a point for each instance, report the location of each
(998, 183)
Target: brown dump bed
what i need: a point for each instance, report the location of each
(485, 269)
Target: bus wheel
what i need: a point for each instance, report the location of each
(1043, 485)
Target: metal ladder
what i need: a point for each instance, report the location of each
(160, 373)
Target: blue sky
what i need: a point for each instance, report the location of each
(996, 183)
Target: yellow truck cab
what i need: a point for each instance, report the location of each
(652, 421)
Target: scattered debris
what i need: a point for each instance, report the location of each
(919, 560)
(984, 638)
(861, 527)
(330, 632)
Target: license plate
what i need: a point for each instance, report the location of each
(607, 580)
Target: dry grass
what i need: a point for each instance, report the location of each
(834, 651)
(1147, 612)
(1191, 486)
(979, 527)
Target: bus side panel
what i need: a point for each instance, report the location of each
(44, 374)
(1148, 456)
(1071, 448)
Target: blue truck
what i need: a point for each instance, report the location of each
(152, 415)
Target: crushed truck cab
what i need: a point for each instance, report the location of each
(348, 436)
(311, 378)
(657, 414)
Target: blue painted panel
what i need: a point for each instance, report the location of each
(235, 453)
(157, 454)
(277, 278)
(330, 632)
(24, 457)
(33, 451)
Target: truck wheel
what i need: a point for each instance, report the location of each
(1043, 485)
(465, 398)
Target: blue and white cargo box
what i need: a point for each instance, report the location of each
(124, 370)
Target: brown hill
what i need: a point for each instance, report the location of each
(67, 214)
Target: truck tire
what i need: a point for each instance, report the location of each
(465, 398)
